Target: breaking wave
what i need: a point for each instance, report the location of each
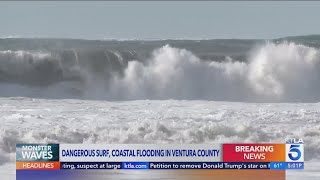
(273, 72)
(154, 122)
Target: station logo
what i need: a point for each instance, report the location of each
(294, 150)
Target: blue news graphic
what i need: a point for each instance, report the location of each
(135, 165)
(294, 165)
(277, 165)
(165, 165)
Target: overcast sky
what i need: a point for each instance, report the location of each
(158, 20)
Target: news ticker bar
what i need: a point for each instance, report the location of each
(197, 156)
(162, 165)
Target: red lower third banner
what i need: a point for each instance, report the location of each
(254, 152)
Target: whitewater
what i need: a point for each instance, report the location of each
(174, 92)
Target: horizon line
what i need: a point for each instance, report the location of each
(149, 39)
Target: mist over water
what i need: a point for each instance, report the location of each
(269, 72)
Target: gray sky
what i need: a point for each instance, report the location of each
(148, 20)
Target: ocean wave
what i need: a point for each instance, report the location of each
(273, 72)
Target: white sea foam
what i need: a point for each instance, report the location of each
(71, 121)
(274, 72)
(26, 120)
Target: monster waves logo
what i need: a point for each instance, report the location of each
(37, 152)
(294, 150)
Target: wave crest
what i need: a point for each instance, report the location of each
(286, 71)
(271, 73)
(274, 72)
